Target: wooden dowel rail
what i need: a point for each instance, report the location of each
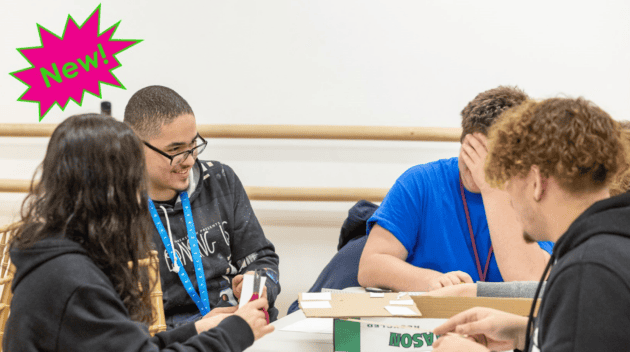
(318, 194)
(387, 133)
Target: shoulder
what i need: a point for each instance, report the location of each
(215, 169)
(599, 261)
(72, 271)
(442, 169)
(604, 249)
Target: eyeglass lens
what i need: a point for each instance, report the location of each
(200, 146)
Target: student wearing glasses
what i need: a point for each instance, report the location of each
(204, 224)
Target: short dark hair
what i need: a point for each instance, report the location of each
(154, 106)
(484, 110)
(93, 190)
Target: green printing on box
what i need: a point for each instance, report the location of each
(347, 336)
(350, 336)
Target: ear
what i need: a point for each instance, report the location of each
(539, 183)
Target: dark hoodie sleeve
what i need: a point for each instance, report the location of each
(585, 309)
(96, 319)
(251, 250)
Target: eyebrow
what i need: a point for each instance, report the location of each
(178, 144)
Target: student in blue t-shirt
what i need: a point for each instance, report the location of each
(441, 224)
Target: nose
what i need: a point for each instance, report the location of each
(188, 162)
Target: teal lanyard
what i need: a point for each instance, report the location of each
(203, 305)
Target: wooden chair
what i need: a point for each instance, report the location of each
(6, 278)
(159, 321)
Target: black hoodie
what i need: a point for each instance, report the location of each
(231, 242)
(63, 302)
(586, 304)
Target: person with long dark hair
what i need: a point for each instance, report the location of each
(82, 224)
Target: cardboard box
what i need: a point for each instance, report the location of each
(376, 330)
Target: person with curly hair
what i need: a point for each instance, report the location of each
(527, 289)
(556, 159)
(441, 224)
(82, 224)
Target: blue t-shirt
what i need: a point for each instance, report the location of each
(425, 212)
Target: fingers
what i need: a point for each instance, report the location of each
(474, 328)
(472, 153)
(482, 139)
(259, 303)
(463, 277)
(450, 279)
(262, 329)
(237, 280)
(237, 286)
(475, 146)
(266, 328)
(450, 325)
(478, 142)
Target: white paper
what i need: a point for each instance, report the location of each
(403, 302)
(312, 325)
(395, 310)
(315, 304)
(316, 296)
(377, 294)
(248, 288)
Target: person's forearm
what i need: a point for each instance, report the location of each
(386, 271)
(517, 260)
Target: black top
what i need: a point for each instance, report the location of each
(63, 302)
(586, 304)
(231, 242)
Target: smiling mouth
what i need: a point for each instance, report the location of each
(181, 171)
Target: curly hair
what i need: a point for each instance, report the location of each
(486, 108)
(573, 140)
(154, 106)
(621, 184)
(93, 190)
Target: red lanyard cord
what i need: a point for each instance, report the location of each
(482, 275)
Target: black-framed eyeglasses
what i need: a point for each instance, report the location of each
(180, 157)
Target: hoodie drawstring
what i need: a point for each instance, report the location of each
(170, 238)
(530, 318)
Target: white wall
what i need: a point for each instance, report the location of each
(337, 62)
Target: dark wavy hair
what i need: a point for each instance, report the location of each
(154, 106)
(93, 190)
(572, 140)
(485, 109)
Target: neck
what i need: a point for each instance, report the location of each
(161, 195)
(571, 207)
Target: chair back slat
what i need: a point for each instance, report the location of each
(6, 277)
(159, 320)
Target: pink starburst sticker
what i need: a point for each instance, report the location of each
(66, 67)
